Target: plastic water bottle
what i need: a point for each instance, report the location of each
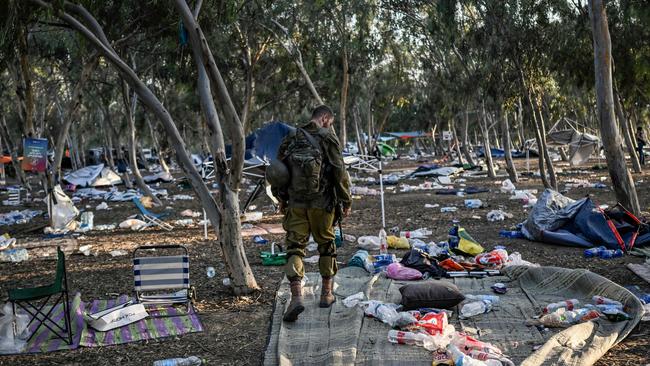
(567, 304)
(399, 337)
(645, 298)
(188, 361)
(609, 254)
(594, 252)
(475, 308)
(491, 298)
(601, 300)
(338, 239)
(473, 203)
(511, 234)
(210, 272)
(383, 242)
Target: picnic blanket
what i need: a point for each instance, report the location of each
(44, 340)
(161, 323)
(343, 336)
(164, 322)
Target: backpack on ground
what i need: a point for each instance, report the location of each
(305, 160)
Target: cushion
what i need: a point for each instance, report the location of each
(430, 294)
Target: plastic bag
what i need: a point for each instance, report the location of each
(134, 224)
(8, 342)
(384, 312)
(419, 260)
(515, 259)
(368, 242)
(354, 300)
(397, 242)
(493, 259)
(397, 271)
(507, 186)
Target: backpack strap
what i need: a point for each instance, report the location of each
(310, 138)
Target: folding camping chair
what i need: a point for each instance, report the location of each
(151, 218)
(156, 276)
(31, 300)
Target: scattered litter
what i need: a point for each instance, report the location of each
(184, 222)
(133, 224)
(257, 239)
(498, 215)
(364, 191)
(18, 217)
(226, 281)
(349, 238)
(508, 187)
(473, 203)
(313, 259)
(118, 253)
(210, 272)
(14, 255)
(514, 259)
(449, 209)
(182, 197)
(354, 300)
(253, 216)
(312, 247)
(252, 208)
(368, 242)
(6, 241)
(85, 249)
(428, 205)
(105, 227)
(190, 213)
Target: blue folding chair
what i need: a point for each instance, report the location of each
(151, 218)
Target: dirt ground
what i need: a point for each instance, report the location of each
(237, 327)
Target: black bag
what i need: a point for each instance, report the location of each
(417, 259)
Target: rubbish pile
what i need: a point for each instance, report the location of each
(566, 313)
(18, 217)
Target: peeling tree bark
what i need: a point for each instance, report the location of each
(486, 144)
(505, 136)
(621, 178)
(465, 136)
(625, 126)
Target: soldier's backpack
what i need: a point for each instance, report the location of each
(305, 160)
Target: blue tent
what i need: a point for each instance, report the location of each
(264, 142)
(556, 219)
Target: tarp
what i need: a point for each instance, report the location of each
(581, 145)
(560, 220)
(343, 336)
(93, 176)
(408, 135)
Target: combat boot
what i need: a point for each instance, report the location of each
(327, 298)
(295, 306)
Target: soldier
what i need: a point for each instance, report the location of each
(313, 187)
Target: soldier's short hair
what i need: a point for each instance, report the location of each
(320, 111)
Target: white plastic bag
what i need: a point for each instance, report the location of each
(368, 242)
(354, 300)
(8, 342)
(507, 186)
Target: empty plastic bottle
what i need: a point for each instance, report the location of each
(511, 234)
(210, 272)
(473, 203)
(491, 298)
(594, 252)
(188, 361)
(475, 308)
(567, 304)
(383, 242)
(608, 254)
(338, 239)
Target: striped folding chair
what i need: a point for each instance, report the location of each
(162, 279)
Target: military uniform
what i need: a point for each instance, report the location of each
(315, 215)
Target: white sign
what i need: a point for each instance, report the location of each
(446, 135)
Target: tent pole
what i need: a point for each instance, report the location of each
(381, 192)
(205, 226)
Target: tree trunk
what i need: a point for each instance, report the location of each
(130, 104)
(505, 136)
(229, 225)
(625, 126)
(563, 154)
(26, 82)
(71, 115)
(621, 178)
(465, 147)
(13, 150)
(549, 162)
(360, 143)
(456, 142)
(343, 135)
(486, 145)
(156, 145)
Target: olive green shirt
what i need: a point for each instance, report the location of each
(336, 181)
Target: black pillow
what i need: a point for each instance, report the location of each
(430, 294)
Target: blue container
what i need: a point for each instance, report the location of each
(594, 252)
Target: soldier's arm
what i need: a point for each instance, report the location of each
(340, 177)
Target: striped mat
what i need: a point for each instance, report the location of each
(164, 322)
(45, 341)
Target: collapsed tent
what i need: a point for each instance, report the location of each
(93, 176)
(408, 135)
(560, 220)
(263, 143)
(434, 170)
(581, 145)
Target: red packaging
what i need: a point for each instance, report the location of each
(433, 323)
